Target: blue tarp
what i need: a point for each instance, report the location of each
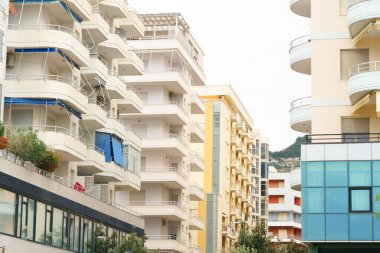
(117, 148)
(47, 50)
(103, 141)
(41, 101)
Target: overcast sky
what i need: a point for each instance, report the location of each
(246, 43)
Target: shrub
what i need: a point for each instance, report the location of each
(50, 162)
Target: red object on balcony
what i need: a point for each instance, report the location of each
(79, 187)
(12, 9)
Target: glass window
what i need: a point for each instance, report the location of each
(376, 173)
(360, 200)
(315, 174)
(336, 173)
(57, 227)
(40, 222)
(375, 205)
(315, 200)
(315, 227)
(360, 227)
(22, 117)
(49, 224)
(336, 227)
(7, 212)
(336, 200)
(76, 235)
(65, 230)
(360, 173)
(376, 229)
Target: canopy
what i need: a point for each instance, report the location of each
(117, 148)
(41, 101)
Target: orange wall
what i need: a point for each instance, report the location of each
(297, 201)
(275, 199)
(275, 183)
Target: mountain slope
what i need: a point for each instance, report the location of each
(293, 150)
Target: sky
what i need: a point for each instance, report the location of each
(246, 43)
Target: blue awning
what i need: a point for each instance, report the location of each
(103, 141)
(117, 148)
(72, 14)
(47, 50)
(41, 101)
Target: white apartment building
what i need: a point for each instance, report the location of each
(63, 63)
(172, 65)
(284, 205)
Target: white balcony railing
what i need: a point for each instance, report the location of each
(365, 67)
(165, 237)
(299, 41)
(198, 156)
(185, 76)
(300, 102)
(154, 203)
(165, 170)
(164, 136)
(95, 148)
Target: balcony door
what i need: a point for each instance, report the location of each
(355, 129)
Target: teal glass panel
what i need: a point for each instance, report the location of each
(336, 200)
(336, 173)
(303, 174)
(360, 200)
(375, 205)
(304, 200)
(360, 227)
(315, 228)
(376, 173)
(315, 200)
(376, 228)
(315, 174)
(336, 227)
(360, 173)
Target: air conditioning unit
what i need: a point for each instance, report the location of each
(10, 61)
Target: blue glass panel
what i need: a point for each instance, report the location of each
(376, 173)
(315, 174)
(315, 200)
(360, 173)
(336, 173)
(360, 227)
(336, 227)
(304, 200)
(376, 228)
(303, 174)
(103, 141)
(315, 228)
(375, 205)
(304, 226)
(360, 200)
(336, 200)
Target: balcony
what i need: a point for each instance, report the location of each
(94, 162)
(114, 47)
(195, 222)
(284, 208)
(172, 79)
(132, 25)
(295, 179)
(114, 126)
(197, 105)
(82, 8)
(197, 133)
(133, 139)
(362, 16)
(364, 79)
(131, 104)
(131, 182)
(301, 7)
(300, 55)
(170, 144)
(116, 86)
(112, 173)
(227, 231)
(97, 28)
(197, 163)
(169, 210)
(172, 112)
(49, 36)
(167, 243)
(131, 65)
(284, 223)
(171, 177)
(97, 68)
(96, 116)
(46, 86)
(114, 8)
(196, 192)
(300, 115)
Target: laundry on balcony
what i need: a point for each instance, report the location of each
(79, 187)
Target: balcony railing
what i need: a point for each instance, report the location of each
(65, 182)
(47, 77)
(196, 186)
(164, 136)
(185, 76)
(165, 237)
(165, 170)
(365, 67)
(300, 102)
(48, 27)
(352, 2)
(153, 203)
(198, 126)
(343, 138)
(299, 41)
(198, 156)
(96, 102)
(95, 148)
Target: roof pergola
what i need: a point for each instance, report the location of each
(165, 19)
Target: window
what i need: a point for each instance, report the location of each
(314, 174)
(360, 199)
(7, 212)
(355, 129)
(349, 58)
(315, 201)
(57, 227)
(336, 200)
(22, 117)
(26, 210)
(336, 227)
(360, 173)
(336, 173)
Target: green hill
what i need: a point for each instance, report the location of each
(293, 150)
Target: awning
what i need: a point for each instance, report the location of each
(103, 141)
(39, 101)
(47, 50)
(362, 102)
(117, 148)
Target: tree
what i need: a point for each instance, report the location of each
(293, 247)
(243, 249)
(49, 162)
(102, 244)
(257, 239)
(133, 243)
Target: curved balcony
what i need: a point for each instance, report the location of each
(131, 65)
(94, 162)
(112, 173)
(47, 86)
(116, 86)
(114, 47)
(171, 144)
(364, 78)
(98, 28)
(96, 116)
(114, 8)
(131, 104)
(114, 126)
(301, 7)
(300, 55)
(82, 8)
(360, 15)
(133, 139)
(300, 115)
(49, 36)
(131, 182)
(170, 210)
(166, 243)
(133, 25)
(170, 176)
(295, 179)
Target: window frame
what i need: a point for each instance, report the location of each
(350, 189)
